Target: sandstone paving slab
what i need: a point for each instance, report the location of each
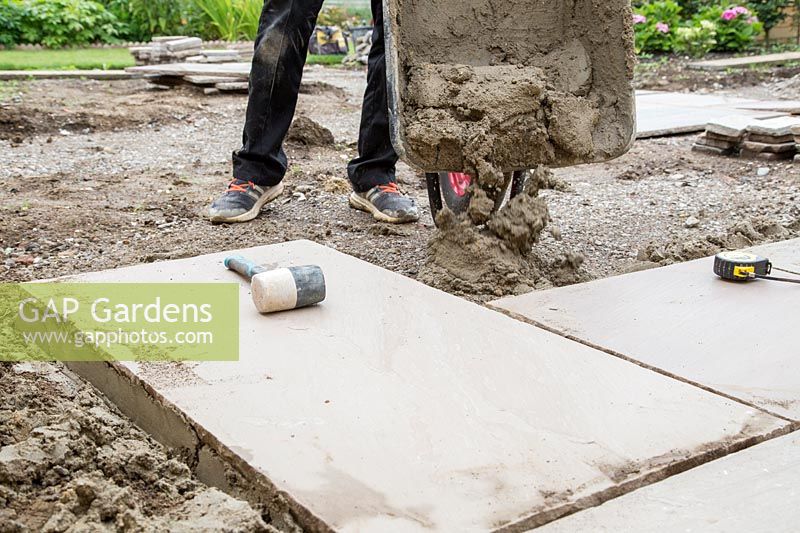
(785, 255)
(739, 339)
(777, 148)
(731, 126)
(755, 490)
(775, 127)
(787, 106)
(747, 61)
(350, 80)
(397, 407)
(666, 113)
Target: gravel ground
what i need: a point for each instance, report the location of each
(113, 174)
(98, 175)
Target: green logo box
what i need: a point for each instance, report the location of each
(119, 322)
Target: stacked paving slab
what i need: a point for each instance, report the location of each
(176, 49)
(771, 139)
(211, 79)
(796, 135)
(748, 137)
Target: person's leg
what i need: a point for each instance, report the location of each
(372, 173)
(281, 48)
(375, 164)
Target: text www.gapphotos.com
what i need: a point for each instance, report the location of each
(107, 339)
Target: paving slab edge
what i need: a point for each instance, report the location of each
(614, 353)
(670, 132)
(541, 518)
(211, 461)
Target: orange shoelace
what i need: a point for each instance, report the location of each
(240, 187)
(391, 188)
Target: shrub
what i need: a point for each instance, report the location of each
(696, 40)
(332, 16)
(737, 26)
(231, 19)
(344, 18)
(655, 25)
(141, 19)
(713, 26)
(770, 12)
(10, 21)
(57, 23)
(691, 7)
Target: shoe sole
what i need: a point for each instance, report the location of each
(266, 198)
(362, 204)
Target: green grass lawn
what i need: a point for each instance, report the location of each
(94, 58)
(324, 60)
(68, 59)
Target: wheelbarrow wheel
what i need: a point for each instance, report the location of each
(451, 190)
(455, 190)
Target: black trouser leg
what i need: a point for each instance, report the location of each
(281, 48)
(377, 158)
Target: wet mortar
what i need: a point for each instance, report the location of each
(71, 461)
(498, 259)
(476, 96)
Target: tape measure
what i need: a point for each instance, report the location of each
(743, 266)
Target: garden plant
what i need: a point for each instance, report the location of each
(696, 28)
(692, 27)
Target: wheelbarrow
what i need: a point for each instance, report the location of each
(542, 82)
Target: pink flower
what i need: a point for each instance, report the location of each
(734, 12)
(752, 20)
(663, 28)
(639, 19)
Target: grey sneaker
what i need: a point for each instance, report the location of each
(242, 201)
(387, 204)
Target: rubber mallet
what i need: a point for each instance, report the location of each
(281, 289)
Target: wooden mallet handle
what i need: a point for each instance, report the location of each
(244, 266)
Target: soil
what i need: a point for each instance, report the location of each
(307, 132)
(133, 185)
(671, 73)
(742, 233)
(96, 110)
(78, 202)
